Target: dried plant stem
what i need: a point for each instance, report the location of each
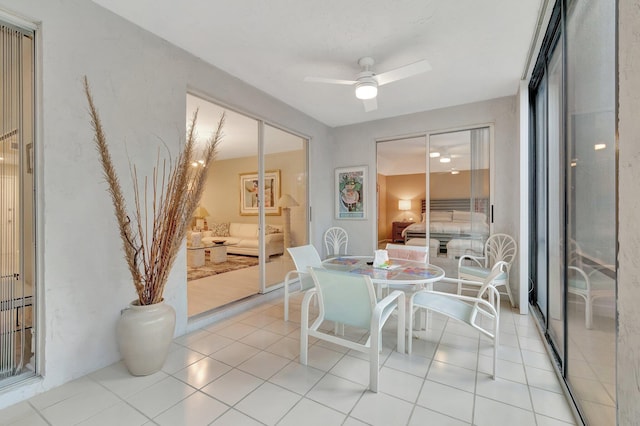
(150, 246)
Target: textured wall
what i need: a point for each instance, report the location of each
(628, 351)
(139, 83)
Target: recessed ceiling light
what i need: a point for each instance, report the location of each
(599, 146)
(445, 159)
(434, 154)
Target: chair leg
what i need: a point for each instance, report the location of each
(286, 302)
(374, 361)
(495, 348)
(588, 313)
(410, 340)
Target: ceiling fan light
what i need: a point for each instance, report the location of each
(366, 90)
(434, 154)
(445, 159)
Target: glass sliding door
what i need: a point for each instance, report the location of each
(574, 217)
(459, 207)
(285, 158)
(254, 206)
(226, 268)
(591, 208)
(17, 230)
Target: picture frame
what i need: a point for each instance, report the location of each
(250, 199)
(350, 194)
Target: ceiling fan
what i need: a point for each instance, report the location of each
(367, 81)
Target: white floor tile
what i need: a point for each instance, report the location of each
(543, 379)
(202, 372)
(491, 413)
(379, 409)
(297, 378)
(232, 387)
(160, 396)
(452, 375)
(261, 339)
(506, 370)
(81, 406)
(322, 358)
(179, 359)
(399, 384)
(32, 419)
(353, 422)
(504, 391)
(447, 400)
(551, 404)
(264, 365)
(548, 421)
(68, 390)
(337, 393)
(268, 403)
(354, 369)
(412, 364)
(537, 359)
(197, 409)
(118, 380)
(236, 330)
(16, 412)
(309, 413)
(121, 414)
(210, 344)
(235, 354)
(286, 347)
(423, 416)
(235, 418)
(455, 356)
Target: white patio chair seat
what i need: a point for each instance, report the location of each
(476, 271)
(349, 299)
(470, 310)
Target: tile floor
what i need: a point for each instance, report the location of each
(244, 371)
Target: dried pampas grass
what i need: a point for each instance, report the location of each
(152, 239)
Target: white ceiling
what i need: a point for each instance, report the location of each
(477, 49)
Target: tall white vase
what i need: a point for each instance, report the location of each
(144, 336)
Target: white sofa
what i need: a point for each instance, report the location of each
(243, 238)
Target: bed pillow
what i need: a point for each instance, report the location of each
(460, 216)
(407, 254)
(440, 216)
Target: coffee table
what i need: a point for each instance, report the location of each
(217, 254)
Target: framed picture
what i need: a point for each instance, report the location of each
(250, 199)
(351, 192)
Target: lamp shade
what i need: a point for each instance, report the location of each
(287, 201)
(200, 212)
(404, 204)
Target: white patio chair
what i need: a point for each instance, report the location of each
(335, 241)
(471, 310)
(588, 282)
(303, 258)
(497, 248)
(350, 299)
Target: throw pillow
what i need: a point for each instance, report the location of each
(272, 230)
(220, 229)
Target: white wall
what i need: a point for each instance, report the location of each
(628, 339)
(139, 83)
(355, 145)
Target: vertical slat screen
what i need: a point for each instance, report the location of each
(12, 315)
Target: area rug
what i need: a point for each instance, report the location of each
(233, 263)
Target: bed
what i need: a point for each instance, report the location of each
(453, 220)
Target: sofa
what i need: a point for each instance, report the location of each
(243, 238)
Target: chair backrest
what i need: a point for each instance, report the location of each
(305, 257)
(334, 240)
(500, 247)
(417, 253)
(345, 298)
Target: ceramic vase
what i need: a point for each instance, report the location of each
(144, 334)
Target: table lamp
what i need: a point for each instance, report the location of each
(200, 214)
(286, 202)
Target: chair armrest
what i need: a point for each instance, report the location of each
(461, 281)
(585, 277)
(475, 259)
(495, 310)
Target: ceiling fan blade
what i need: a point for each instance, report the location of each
(403, 72)
(370, 104)
(328, 80)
